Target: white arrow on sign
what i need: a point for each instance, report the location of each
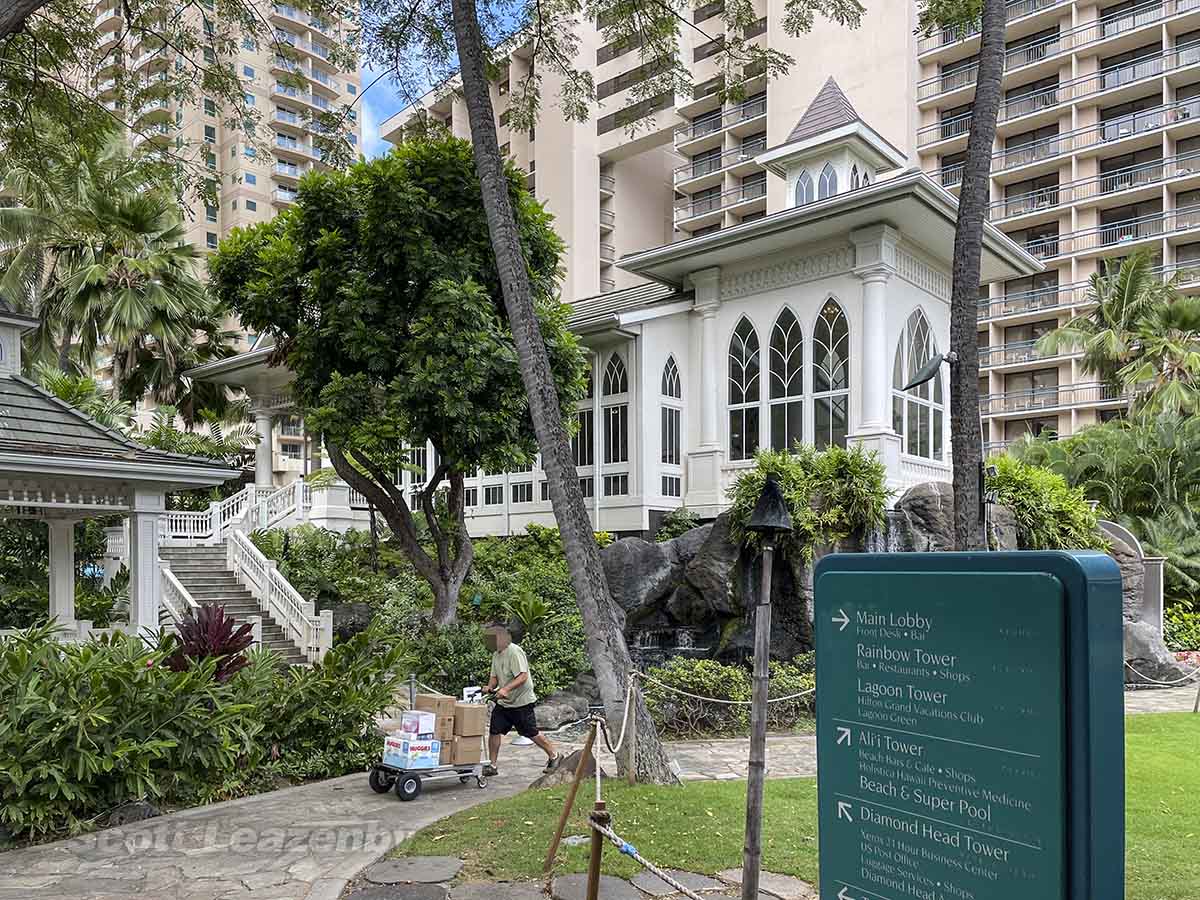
(842, 895)
(843, 735)
(844, 810)
(841, 620)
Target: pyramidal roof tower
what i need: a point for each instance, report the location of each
(831, 150)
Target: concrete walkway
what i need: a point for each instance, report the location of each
(1176, 699)
(301, 843)
(306, 843)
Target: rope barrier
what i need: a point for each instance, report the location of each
(632, 852)
(1177, 681)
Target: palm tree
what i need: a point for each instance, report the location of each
(1175, 536)
(1141, 337)
(96, 251)
(86, 395)
(1165, 371)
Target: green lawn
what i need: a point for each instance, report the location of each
(699, 827)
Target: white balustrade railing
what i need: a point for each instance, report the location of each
(175, 597)
(311, 632)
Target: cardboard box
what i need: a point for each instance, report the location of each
(468, 750)
(445, 728)
(447, 752)
(413, 723)
(403, 753)
(436, 704)
(470, 719)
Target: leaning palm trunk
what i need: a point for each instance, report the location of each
(967, 446)
(603, 621)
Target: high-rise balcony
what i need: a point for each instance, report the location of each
(284, 197)
(1129, 232)
(1046, 398)
(1087, 37)
(1014, 353)
(1053, 299)
(737, 119)
(702, 171)
(1094, 86)
(1130, 178)
(702, 210)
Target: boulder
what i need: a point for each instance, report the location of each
(641, 573)
(560, 708)
(1133, 575)
(924, 519)
(566, 771)
(1146, 652)
(706, 590)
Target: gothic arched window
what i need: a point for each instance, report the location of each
(787, 382)
(828, 186)
(743, 391)
(672, 414)
(854, 177)
(804, 189)
(616, 415)
(917, 413)
(831, 376)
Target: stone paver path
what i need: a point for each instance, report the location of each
(1176, 699)
(574, 887)
(410, 869)
(400, 892)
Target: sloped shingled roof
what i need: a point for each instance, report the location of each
(35, 421)
(829, 110)
(600, 307)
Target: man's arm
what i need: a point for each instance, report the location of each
(513, 685)
(491, 684)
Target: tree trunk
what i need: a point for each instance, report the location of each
(603, 620)
(966, 441)
(444, 575)
(374, 538)
(13, 14)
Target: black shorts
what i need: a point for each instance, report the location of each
(522, 718)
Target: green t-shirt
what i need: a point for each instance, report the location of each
(507, 664)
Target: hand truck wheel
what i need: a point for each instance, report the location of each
(381, 782)
(408, 787)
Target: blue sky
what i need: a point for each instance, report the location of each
(378, 103)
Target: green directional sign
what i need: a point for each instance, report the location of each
(948, 741)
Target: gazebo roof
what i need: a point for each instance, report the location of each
(41, 435)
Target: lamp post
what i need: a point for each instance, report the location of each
(769, 519)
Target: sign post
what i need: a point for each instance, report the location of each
(970, 726)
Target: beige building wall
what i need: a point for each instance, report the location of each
(1097, 152)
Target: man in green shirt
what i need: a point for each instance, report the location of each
(515, 699)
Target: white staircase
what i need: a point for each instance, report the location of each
(207, 557)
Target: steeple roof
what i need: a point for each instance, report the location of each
(829, 110)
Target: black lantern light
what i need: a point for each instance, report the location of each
(770, 516)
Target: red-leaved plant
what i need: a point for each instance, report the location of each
(211, 633)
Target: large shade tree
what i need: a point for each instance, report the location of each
(426, 42)
(382, 293)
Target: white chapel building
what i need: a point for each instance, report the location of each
(802, 325)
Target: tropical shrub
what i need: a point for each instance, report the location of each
(787, 680)
(87, 727)
(1174, 536)
(1181, 628)
(26, 605)
(210, 634)
(830, 494)
(451, 657)
(677, 715)
(1050, 515)
(676, 522)
(320, 721)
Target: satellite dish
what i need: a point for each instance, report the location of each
(926, 372)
